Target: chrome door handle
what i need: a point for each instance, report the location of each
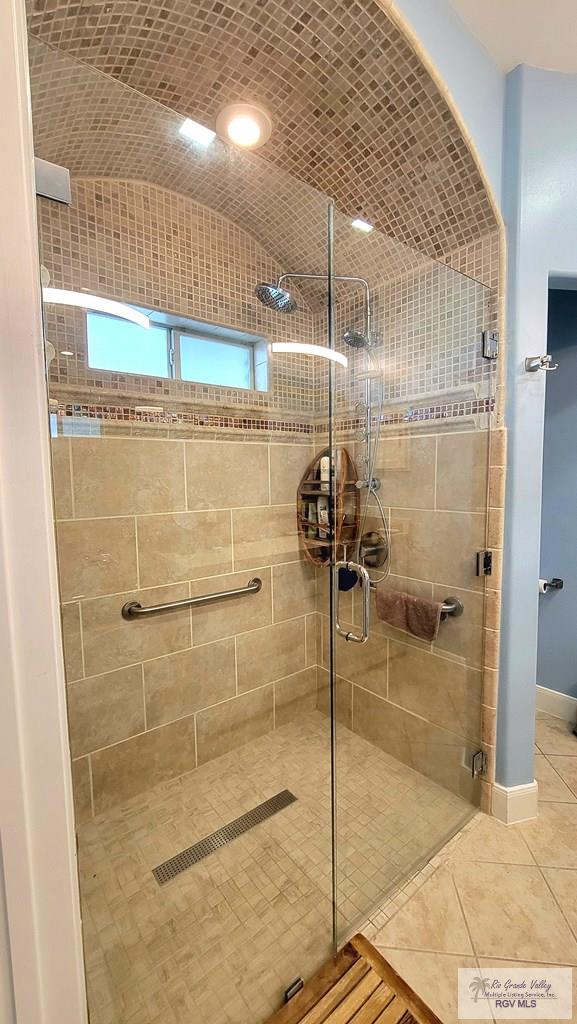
(365, 581)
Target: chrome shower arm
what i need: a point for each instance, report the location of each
(338, 277)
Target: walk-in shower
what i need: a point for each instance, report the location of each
(182, 458)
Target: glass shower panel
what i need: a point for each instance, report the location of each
(201, 753)
(411, 413)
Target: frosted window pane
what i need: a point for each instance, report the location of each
(124, 347)
(215, 362)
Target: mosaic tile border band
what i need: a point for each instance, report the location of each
(219, 421)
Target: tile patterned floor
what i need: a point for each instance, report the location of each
(503, 896)
(219, 944)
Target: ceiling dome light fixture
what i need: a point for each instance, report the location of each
(244, 124)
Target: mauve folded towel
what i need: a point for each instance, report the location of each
(415, 615)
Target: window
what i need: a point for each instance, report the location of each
(178, 348)
(215, 362)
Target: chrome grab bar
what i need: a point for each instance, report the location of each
(134, 610)
(452, 606)
(365, 581)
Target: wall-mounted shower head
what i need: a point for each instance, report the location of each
(275, 298)
(355, 339)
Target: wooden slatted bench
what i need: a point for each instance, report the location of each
(357, 987)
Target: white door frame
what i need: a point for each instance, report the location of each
(43, 962)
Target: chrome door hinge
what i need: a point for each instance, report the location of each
(490, 341)
(296, 986)
(484, 563)
(479, 764)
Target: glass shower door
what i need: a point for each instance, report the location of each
(403, 638)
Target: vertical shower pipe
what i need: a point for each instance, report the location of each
(333, 576)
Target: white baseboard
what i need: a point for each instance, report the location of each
(515, 803)
(560, 705)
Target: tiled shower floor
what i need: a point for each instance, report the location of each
(221, 942)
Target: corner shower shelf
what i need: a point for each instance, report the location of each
(318, 538)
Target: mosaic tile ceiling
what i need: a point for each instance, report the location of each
(98, 128)
(355, 113)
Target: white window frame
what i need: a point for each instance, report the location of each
(177, 327)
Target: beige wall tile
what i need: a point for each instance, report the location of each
(226, 475)
(294, 589)
(343, 697)
(270, 653)
(445, 692)
(135, 765)
(462, 635)
(365, 664)
(183, 683)
(61, 477)
(265, 536)
(345, 597)
(497, 479)
(294, 696)
(493, 609)
(184, 546)
(235, 615)
(111, 642)
(105, 709)
(96, 557)
(81, 790)
(72, 641)
(490, 687)
(436, 753)
(381, 723)
(438, 546)
(489, 725)
(234, 723)
(124, 476)
(287, 467)
(495, 527)
(492, 637)
(462, 471)
(498, 454)
(406, 468)
(313, 637)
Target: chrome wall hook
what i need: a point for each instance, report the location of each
(534, 363)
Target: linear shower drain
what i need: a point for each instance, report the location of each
(181, 861)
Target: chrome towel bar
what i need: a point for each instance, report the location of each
(134, 610)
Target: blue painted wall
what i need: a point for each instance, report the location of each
(540, 209)
(557, 649)
(475, 82)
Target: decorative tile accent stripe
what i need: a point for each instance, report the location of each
(448, 410)
(219, 421)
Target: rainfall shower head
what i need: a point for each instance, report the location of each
(275, 298)
(355, 339)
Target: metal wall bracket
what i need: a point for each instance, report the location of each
(479, 764)
(534, 363)
(484, 563)
(490, 341)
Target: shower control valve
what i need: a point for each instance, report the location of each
(534, 363)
